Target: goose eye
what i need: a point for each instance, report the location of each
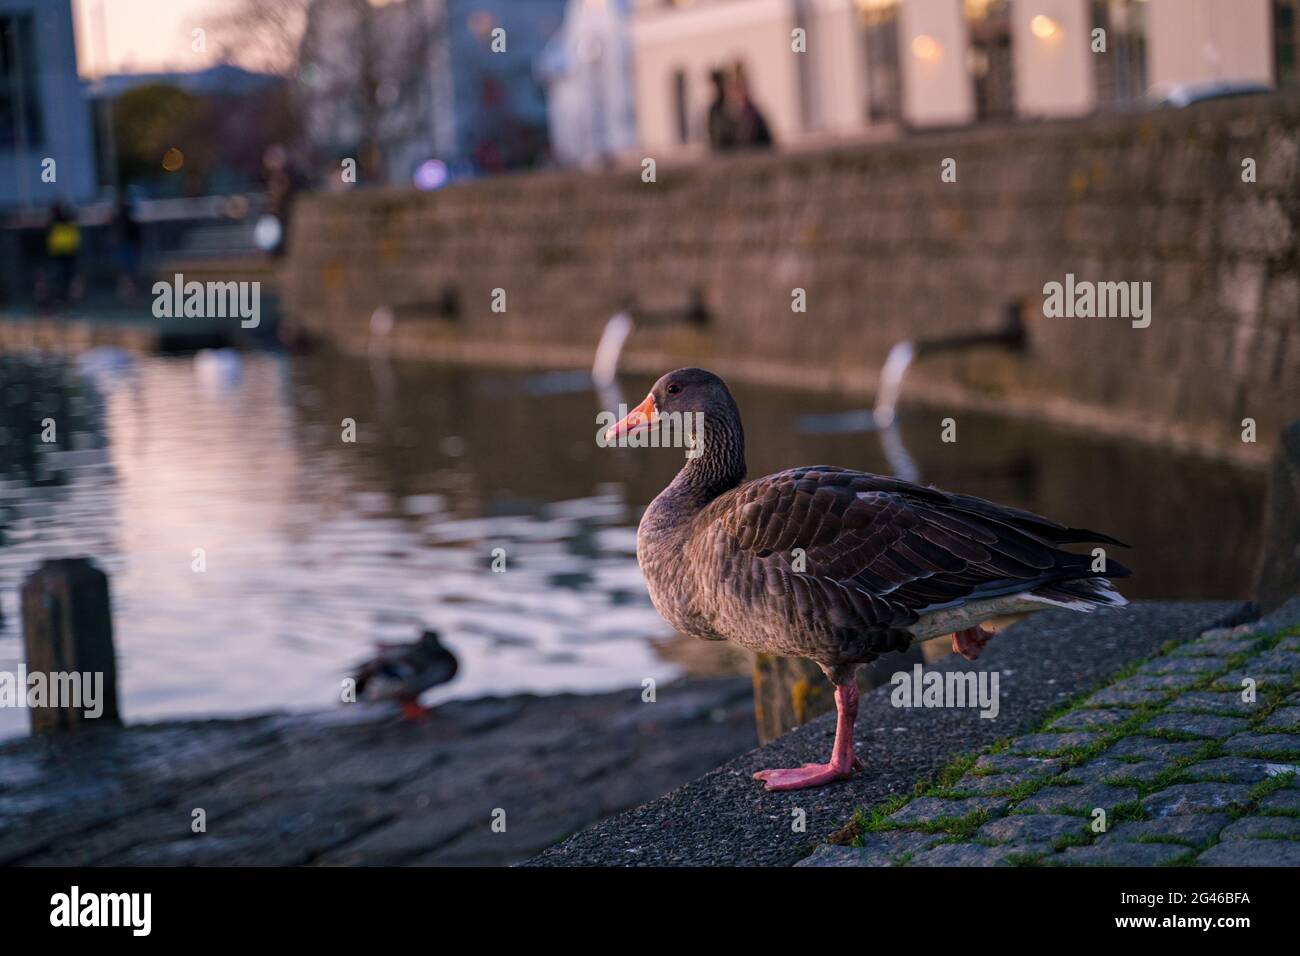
(674, 389)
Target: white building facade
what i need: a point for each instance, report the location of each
(47, 151)
(587, 70)
(876, 66)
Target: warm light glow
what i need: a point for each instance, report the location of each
(1043, 27)
(481, 23)
(173, 160)
(926, 47)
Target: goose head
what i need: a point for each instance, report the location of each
(697, 406)
(684, 392)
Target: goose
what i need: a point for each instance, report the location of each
(401, 672)
(834, 565)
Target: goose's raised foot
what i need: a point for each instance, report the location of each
(413, 712)
(809, 775)
(970, 642)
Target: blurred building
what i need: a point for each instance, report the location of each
(394, 84)
(224, 79)
(42, 113)
(499, 101)
(587, 69)
(873, 66)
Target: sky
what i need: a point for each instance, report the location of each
(142, 36)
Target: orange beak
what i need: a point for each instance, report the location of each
(642, 416)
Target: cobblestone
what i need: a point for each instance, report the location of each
(1195, 829)
(1196, 798)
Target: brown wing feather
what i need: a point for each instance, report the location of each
(880, 550)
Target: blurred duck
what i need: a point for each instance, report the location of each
(402, 672)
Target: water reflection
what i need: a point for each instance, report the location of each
(315, 547)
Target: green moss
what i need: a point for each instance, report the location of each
(1129, 811)
(1027, 788)
(953, 771)
(963, 826)
(877, 818)
(1174, 736)
(1071, 839)
(1176, 772)
(1273, 784)
(1260, 753)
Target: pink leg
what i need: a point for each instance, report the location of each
(842, 762)
(970, 642)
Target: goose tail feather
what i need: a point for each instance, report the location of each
(1080, 594)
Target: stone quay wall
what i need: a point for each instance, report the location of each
(884, 250)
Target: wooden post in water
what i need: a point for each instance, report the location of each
(788, 692)
(68, 627)
(1277, 574)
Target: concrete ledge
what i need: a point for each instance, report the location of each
(725, 817)
(354, 786)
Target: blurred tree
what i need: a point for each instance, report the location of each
(221, 138)
(364, 81)
(262, 35)
(265, 35)
(150, 120)
(245, 126)
(360, 71)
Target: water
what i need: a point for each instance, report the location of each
(315, 547)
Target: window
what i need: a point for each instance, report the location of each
(1122, 69)
(879, 21)
(1286, 38)
(681, 106)
(989, 57)
(20, 114)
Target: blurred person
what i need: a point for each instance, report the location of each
(283, 182)
(124, 228)
(62, 245)
(721, 124)
(752, 131)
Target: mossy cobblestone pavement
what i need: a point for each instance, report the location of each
(1130, 685)
(1189, 758)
